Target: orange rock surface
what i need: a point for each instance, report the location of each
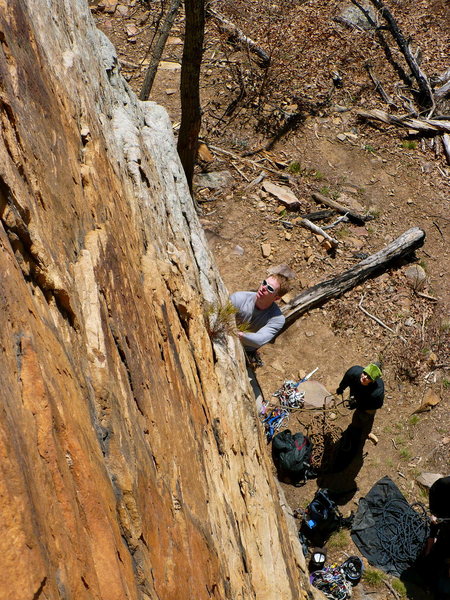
(132, 462)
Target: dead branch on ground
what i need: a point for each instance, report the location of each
(383, 43)
(344, 210)
(435, 126)
(446, 144)
(318, 230)
(377, 320)
(254, 163)
(426, 94)
(238, 37)
(378, 87)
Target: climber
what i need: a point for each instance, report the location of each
(259, 312)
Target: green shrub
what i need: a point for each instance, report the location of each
(409, 144)
(373, 577)
(295, 168)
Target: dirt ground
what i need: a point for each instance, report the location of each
(399, 177)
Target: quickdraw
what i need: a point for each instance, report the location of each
(289, 396)
(274, 420)
(332, 582)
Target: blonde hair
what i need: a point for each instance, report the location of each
(283, 282)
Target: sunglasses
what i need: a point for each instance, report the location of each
(268, 287)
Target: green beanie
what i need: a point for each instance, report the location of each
(373, 371)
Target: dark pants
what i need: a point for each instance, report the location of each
(353, 439)
(363, 423)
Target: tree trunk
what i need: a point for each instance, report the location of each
(190, 86)
(422, 81)
(158, 49)
(369, 267)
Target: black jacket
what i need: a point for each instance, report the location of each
(367, 397)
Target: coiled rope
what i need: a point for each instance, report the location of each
(403, 533)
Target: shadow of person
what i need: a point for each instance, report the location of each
(415, 584)
(344, 461)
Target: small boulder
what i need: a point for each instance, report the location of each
(426, 480)
(283, 194)
(416, 276)
(214, 179)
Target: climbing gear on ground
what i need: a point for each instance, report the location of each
(322, 517)
(291, 456)
(331, 581)
(403, 534)
(353, 569)
(317, 560)
(289, 396)
(324, 437)
(276, 417)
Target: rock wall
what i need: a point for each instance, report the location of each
(132, 462)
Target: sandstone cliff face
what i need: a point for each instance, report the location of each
(132, 463)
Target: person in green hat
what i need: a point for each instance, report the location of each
(366, 387)
(366, 397)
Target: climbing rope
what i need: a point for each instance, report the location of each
(401, 533)
(324, 437)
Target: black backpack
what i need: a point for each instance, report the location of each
(291, 455)
(321, 518)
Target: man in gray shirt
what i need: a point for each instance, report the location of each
(259, 311)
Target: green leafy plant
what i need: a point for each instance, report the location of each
(446, 383)
(369, 148)
(318, 175)
(325, 190)
(413, 420)
(343, 232)
(405, 454)
(335, 194)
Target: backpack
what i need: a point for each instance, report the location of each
(291, 455)
(321, 518)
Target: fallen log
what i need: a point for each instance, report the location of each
(351, 214)
(426, 125)
(238, 36)
(369, 267)
(446, 144)
(319, 215)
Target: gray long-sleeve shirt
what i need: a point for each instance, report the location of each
(263, 324)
